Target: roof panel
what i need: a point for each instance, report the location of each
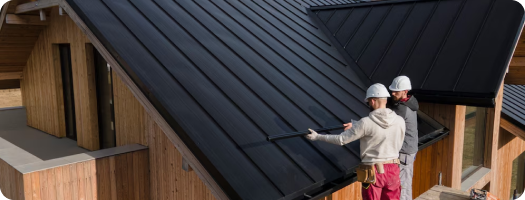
(444, 46)
(403, 44)
(493, 48)
(455, 52)
(514, 104)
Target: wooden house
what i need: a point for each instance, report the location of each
(174, 99)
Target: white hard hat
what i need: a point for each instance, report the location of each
(377, 90)
(401, 83)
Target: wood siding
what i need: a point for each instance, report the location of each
(74, 181)
(439, 157)
(11, 181)
(167, 178)
(351, 192)
(42, 85)
(124, 177)
(130, 116)
(509, 148)
(119, 177)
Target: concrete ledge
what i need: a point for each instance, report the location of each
(39, 166)
(473, 178)
(12, 108)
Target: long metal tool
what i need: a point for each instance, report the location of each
(272, 138)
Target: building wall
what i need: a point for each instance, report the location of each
(509, 148)
(130, 116)
(11, 181)
(167, 178)
(353, 192)
(42, 83)
(439, 157)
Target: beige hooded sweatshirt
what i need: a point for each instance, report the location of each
(381, 133)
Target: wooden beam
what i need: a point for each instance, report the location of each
(492, 140)
(36, 5)
(10, 75)
(194, 163)
(25, 20)
(456, 140)
(511, 128)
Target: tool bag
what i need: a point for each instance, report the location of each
(366, 174)
(477, 194)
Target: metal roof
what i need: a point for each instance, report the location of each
(454, 51)
(227, 74)
(513, 107)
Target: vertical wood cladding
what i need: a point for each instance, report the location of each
(509, 148)
(119, 177)
(42, 85)
(353, 191)
(439, 157)
(123, 177)
(130, 116)
(167, 178)
(11, 181)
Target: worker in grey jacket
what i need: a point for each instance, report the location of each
(381, 137)
(406, 106)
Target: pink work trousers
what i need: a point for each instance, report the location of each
(387, 186)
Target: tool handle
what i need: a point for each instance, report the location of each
(272, 138)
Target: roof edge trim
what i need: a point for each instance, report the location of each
(511, 54)
(216, 189)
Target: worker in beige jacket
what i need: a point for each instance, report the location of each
(381, 137)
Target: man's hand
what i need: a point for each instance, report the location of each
(347, 126)
(312, 136)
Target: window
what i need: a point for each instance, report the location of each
(64, 50)
(474, 139)
(517, 184)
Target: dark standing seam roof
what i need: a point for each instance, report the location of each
(513, 108)
(226, 74)
(454, 51)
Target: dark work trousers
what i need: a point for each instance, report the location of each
(406, 174)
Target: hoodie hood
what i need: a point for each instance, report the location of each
(383, 117)
(411, 103)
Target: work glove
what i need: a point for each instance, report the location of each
(312, 136)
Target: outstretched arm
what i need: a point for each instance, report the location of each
(354, 133)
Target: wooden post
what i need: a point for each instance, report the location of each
(457, 131)
(491, 142)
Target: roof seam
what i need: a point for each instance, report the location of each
(313, 98)
(307, 49)
(374, 34)
(418, 38)
(392, 40)
(195, 100)
(222, 91)
(444, 42)
(298, 69)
